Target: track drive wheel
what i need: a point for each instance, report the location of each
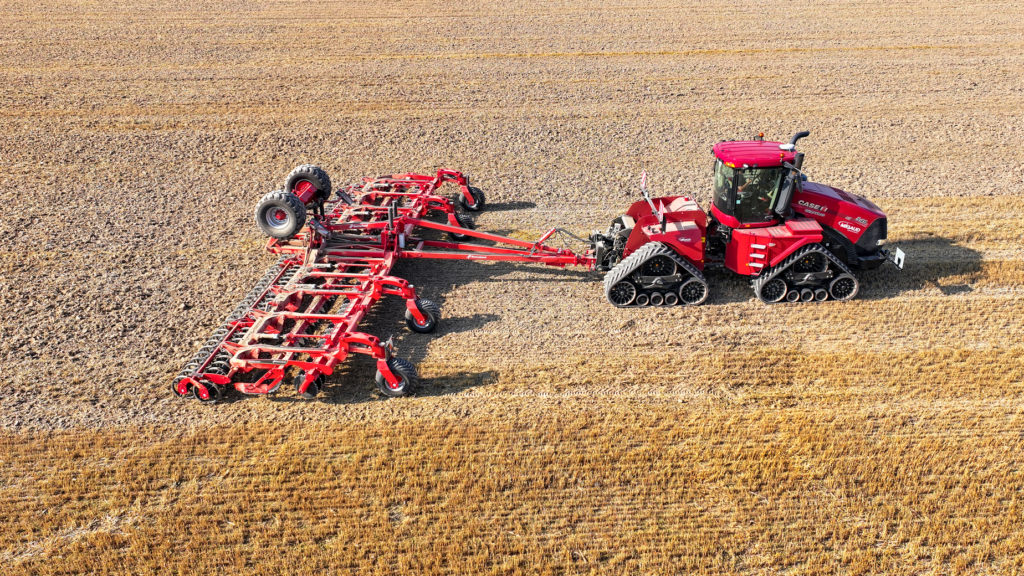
(406, 372)
(428, 308)
(309, 175)
(811, 262)
(693, 292)
(280, 215)
(478, 200)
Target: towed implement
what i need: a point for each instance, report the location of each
(796, 240)
(302, 319)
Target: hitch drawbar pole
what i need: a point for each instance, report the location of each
(527, 251)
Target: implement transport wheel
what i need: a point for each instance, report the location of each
(478, 200)
(466, 223)
(812, 262)
(309, 174)
(693, 292)
(428, 308)
(280, 215)
(844, 287)
(406, 372)
(622, 294)
(774, 290)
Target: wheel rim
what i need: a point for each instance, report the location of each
(657, 299)
(671, 299)
(276, 218)
(810, 263)
(643, 300)
(693, 292)
(303, 186)
(659, 266)
(774, 290)
(622, 294)
(843, 288)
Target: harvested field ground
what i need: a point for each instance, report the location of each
(553, 434)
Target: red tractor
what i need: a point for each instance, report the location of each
(796, 240)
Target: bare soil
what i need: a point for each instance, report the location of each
(135, 139)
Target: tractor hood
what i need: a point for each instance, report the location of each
(835, 195)
(849, 214)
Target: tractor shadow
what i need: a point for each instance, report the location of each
(931, 262)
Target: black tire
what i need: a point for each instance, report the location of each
(428, 308)
(478, 200)
(312, 174)
(280, 215)
(466, 223)
(406, 372)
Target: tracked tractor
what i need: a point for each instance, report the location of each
(797, 241)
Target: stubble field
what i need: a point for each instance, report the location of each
(553, 434)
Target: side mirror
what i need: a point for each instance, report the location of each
(789, 185)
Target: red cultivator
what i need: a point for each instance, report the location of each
(302, 319)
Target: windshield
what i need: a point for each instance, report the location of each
(724, 177)
(756, 189)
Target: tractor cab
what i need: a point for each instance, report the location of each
(750, 177)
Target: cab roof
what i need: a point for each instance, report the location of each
(752, 153)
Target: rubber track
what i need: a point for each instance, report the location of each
(776, 270)
(634, 261)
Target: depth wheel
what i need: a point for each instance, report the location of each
(622, 294)
(658, 266)
(430, 310)
(693, 292)
(280, 214)
(843, 288)
(811, 263)
(406, 373)
(478, 200)
(465, 222)
(774, 290)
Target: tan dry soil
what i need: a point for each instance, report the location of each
(553, 433)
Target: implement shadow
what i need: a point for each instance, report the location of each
(439, 281)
